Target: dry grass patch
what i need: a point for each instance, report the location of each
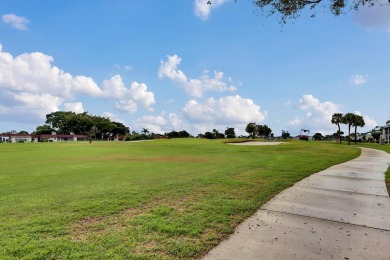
(97, 226)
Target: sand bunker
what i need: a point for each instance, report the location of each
(257, 143)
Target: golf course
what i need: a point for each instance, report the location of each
(160, 199)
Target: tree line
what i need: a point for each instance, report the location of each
(102, 128)
(98, 127)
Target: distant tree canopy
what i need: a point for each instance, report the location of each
(230, 133)
(376, 135)
(180, 134)
(251, 129)
(215, 134)
(82, 123)
(258, 130)
(317, 136)
(291, 9)
(285, 134)
(43, 130)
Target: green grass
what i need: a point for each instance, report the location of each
(166, 199)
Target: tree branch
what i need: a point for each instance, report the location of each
(312, 2)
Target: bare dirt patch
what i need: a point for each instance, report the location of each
(85, 226)
(97, 226)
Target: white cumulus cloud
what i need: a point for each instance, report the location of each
(129, 98)
(370, 123)
(34, 72)
(203, 7)
(113, 117)
(358, 79)
(76, 107)
(199, 117)
(318, 115)
(15, 21)
(193, 87)
(225, 110)
(161, 123)
(31, 87)
(126, 106)
(169, 69)
(24, 107)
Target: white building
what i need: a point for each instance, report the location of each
(26, 138)
(385, 134)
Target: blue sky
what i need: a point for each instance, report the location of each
(174, 65)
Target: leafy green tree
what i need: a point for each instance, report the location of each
(184, 134)
(209, 135)
(337, 119)
(359, 121)
(180, 134)
(220, 136)
(135, 136)
(230, 133)
(285, 134)
(23, 133)
(376, 135)
(66, 122)
(173, 134)
(215, 132)
(60, 121)
(251, 129)
(263, 131)
(43, 130)
(349, 120)
(292, 9)
(120, 129)
(317, 136)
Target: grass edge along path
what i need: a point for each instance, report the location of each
(385, 148)
(167, 199)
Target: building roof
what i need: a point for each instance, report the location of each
(386, 126)
(43, 136)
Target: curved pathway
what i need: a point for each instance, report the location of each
(342, 212)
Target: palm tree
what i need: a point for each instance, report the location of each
(145, 131)
(349, 119)
(359, 121)
(337, 119)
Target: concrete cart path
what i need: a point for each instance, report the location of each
(342, 212)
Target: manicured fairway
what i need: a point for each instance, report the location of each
(166, 199)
